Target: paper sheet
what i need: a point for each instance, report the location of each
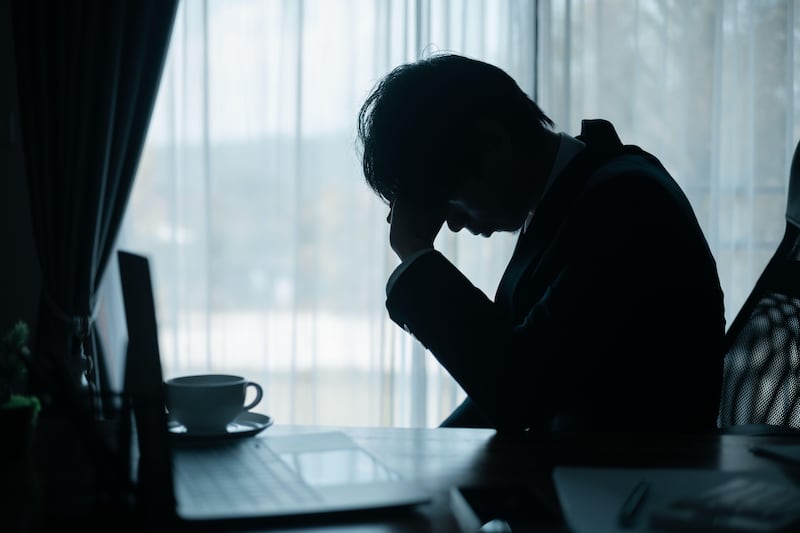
(592, 497)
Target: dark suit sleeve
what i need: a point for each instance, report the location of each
(618, 265)
(475, 341)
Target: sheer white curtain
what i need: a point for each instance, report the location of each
(712, 87)
(269, 251)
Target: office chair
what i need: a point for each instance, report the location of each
(761, 379)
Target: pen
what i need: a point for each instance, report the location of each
(629, 509)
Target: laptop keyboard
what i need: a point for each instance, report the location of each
(239, 476)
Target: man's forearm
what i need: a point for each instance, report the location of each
(402, 267)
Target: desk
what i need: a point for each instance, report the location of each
(441, 458)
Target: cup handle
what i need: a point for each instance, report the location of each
(259, 394)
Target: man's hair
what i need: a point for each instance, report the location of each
(417, 128)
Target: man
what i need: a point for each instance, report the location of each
(609, 315)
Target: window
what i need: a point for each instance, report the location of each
(269, 251)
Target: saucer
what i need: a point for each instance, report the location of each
(246, 424)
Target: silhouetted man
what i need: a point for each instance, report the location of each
(609, 315)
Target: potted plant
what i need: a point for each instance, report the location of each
(19, 409)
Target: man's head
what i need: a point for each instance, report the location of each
(426, 126)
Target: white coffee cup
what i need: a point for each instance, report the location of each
(206, 403)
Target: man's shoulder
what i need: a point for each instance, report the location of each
(605, 145)
(605, 156)
(599, 133)
(635, 177)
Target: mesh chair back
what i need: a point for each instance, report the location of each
(761, 380)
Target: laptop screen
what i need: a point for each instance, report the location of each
(244, 480)
(144, 386)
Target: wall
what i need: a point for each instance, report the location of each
(19, 268)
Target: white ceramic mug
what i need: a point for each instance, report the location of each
(206, 403)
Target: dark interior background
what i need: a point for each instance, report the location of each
(19, 268)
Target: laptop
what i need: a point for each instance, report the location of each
(257, 478)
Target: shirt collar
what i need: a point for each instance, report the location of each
(568, 148)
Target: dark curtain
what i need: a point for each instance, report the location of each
(88, 74)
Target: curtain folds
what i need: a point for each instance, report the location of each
(87, 73)
(270, 253)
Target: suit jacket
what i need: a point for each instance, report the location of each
(609, 315)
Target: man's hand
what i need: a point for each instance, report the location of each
(414, 224)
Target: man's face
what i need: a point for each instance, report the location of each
(484, 214)
(494, 199)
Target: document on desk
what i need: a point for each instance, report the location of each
(606, 500)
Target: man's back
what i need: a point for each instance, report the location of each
(641, 303)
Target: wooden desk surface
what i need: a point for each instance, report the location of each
(442, 458)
